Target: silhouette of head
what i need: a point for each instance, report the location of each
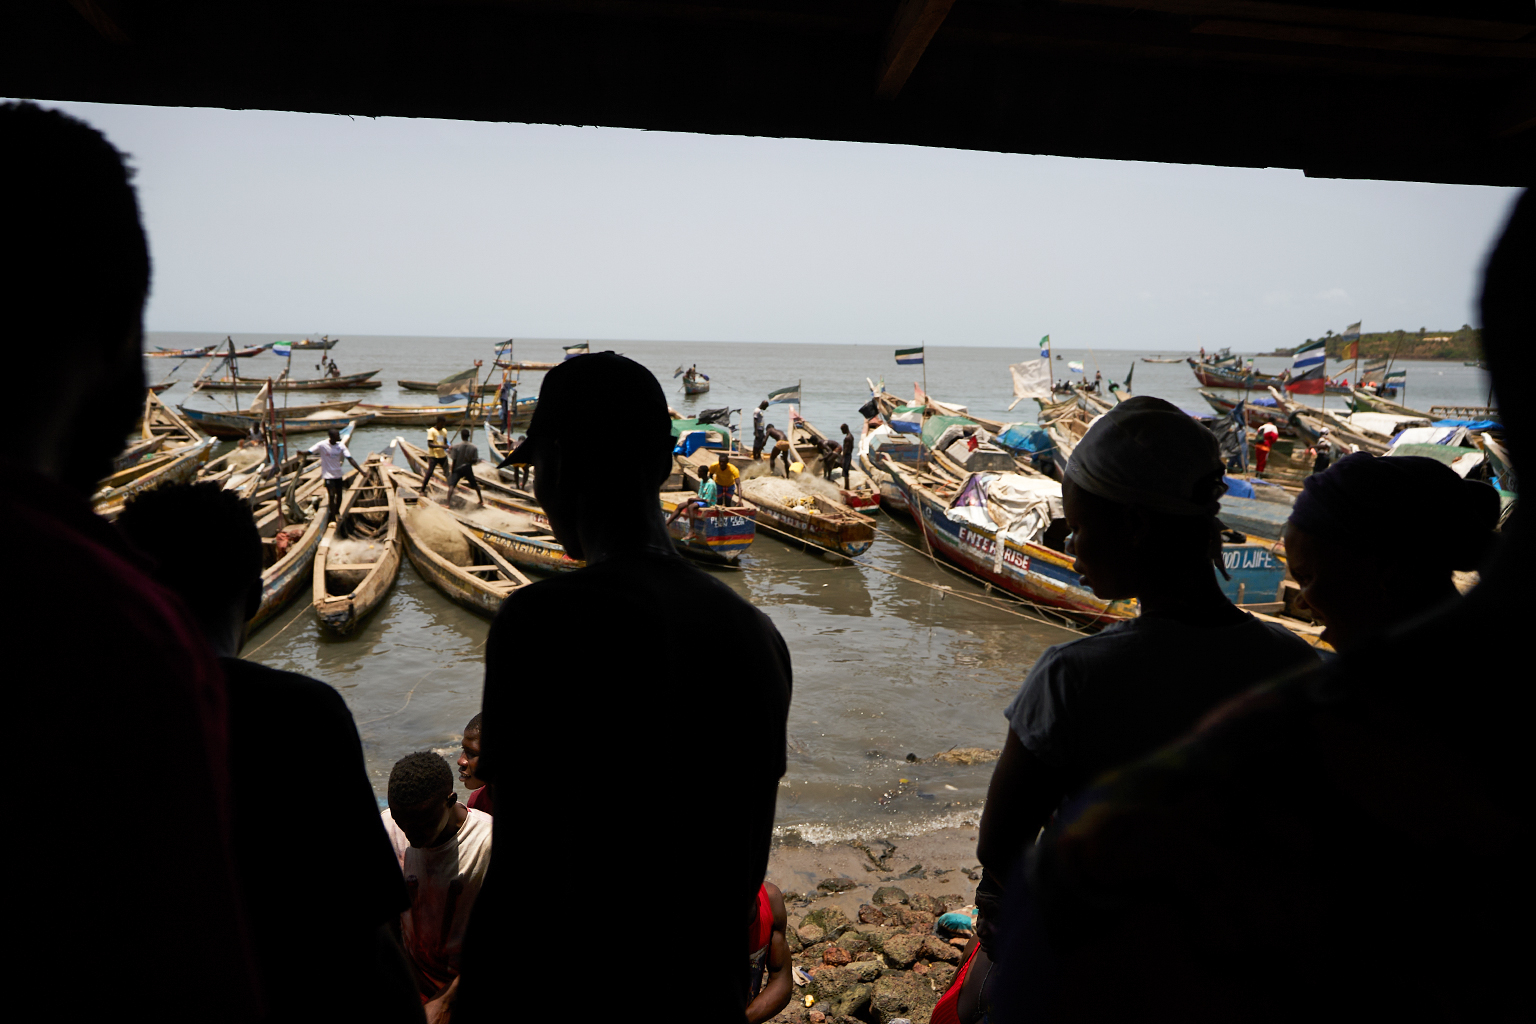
(334, 435)
(442, 421)
(72, 220)
(464, 433)
(844, 428)
(469, 759)
(206, 549)
(1354, 590)
(421, 798)
(1509, 322)
(563, 426)
(762, 405)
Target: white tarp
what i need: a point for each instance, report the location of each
(1384, 423)
(1431, 435)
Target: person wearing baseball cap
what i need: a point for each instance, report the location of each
(580, 665)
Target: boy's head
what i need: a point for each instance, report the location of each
(421, 798)
(469, 759)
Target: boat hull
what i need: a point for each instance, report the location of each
(342, 613)
(181, 466)
(428, 385)
(845, 538)
(346, 382)
(282, 582)
(713, 534)
(238, 425)
(1254, 415)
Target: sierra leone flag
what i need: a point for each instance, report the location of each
(909, 356)
(907, 419)
(784, 396)
(572, 351)
(1307, 368)
(282, 349)
(458, 387)
(1396, 377)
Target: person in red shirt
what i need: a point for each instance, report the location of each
(481, 795)
(770, 983)
(138, 906)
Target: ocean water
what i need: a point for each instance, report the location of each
(896, 655)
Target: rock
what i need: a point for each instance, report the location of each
(920, 968)
(832, 921)
(950, 901)
(836, 884)
(812, 954)
(836, 956)
(870, 957)
(917, 919)
(810, 934)
(843, 991)
(902, 950)
(941, 976)
(853, 942)
(869, 914)
(816, 1017)
(878, 937)
(792, 938)
(901, 995)
(915, 871)
(889, 894)
(923, 901)
(935, 948)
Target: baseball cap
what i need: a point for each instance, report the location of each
(586, 392)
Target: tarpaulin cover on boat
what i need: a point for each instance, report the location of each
(1469, 424)
(1011, 504)
(1238, 487)
(1462, 460)
(934, 426)
(907, 418)
(1024, 437)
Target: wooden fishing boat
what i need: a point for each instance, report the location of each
(480, 587)
(817, 521)
(527, 541)
(713, 533)
(695, 385)
(164, 385)
(181, 353)
(135, 451)
(1035, 572)
(1160, 359)
(488, 388)
(1364, 401)
(239, 424)
(345, 592)
(309, 343)
(500, 446)
(1309, 423)
(516, 364)
(413, 415)
(160, 420)
(170, 466)
(1253, 415)
(345, 382)
(283, 576)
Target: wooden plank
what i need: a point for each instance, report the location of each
(912, 29)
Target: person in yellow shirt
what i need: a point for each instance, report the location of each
(725, 476)
(437, 451)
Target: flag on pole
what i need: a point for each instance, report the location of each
(572, 351)
(907, 419)
(1032, 378)
(1075, 366)
(783, 396)
(1374, 369)
(1351, 338)
(504, 346)
(283, 349)
(458, 387)
(1307, 368)
(909, 356)
(1396, 378)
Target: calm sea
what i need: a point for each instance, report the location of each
(884, 667)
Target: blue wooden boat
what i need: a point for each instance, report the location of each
(713, 533)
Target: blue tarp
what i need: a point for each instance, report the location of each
(1469, 424)
(1024, 437)
(1238, 488)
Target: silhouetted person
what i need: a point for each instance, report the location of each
(592, 635)
(443, 849)
(1141, 496)
(464, 455)
(1354, 837)
(848, 446)
(781, 448)
(1363, 505)
(137, 883)
(481, 795)
(770, 983)
(291, 739)
(759, 431)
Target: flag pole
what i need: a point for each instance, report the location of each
(925, 373)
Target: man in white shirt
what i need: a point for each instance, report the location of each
(332, 455)
(443, 848)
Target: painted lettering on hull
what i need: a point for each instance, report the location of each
(1248, 558)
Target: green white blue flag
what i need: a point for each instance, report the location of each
(459, 387)
(572, 351)
(909, 356)
(784, 396)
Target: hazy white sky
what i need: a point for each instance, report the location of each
(283, 222)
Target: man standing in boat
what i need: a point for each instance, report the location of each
(759, 438)
(464, 455)
(847, 456)
(780, 448)
(332, 454)
(437, 450)
(725, 476)
(578, 648)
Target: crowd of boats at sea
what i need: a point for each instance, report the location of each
(983, 495)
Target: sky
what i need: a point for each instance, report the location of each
(265, 221)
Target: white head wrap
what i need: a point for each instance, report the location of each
(1149, 453)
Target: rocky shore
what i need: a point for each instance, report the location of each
(861, 923)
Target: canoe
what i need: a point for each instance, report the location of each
(1035, 572)
(500, 446)
(528, 542)
(712, 533)
(162, 386)
(310, 344)
(346, 382)
(480, 587)
(431, 385)
(345, 592)
(160, 420)
(413, 415)
(1150, 359)
(695, 387)
(240, 424)
(169, 467)
(515, 364)
(825, 524)
(1254, 415)
(180, 353)
(135, 451)
(282, 578)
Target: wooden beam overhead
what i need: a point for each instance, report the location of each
(912, 29)
(1295, 14)
(1403, 42)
